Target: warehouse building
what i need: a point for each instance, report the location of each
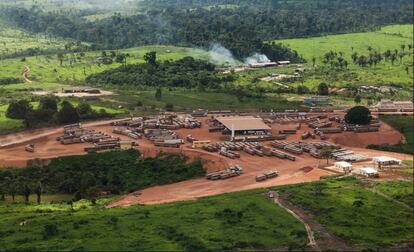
(243, 125)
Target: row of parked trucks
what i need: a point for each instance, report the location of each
(75, 133)
(232, 171)
(266, 175)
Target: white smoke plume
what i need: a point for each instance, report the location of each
(256, 58)
(220, 55)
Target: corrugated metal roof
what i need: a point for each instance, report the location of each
(242, 123)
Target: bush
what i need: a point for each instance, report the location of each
(18, 109)
(67, 114)
(358, 115)
(323, 89)
(50, 230)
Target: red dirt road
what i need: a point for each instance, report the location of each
(12, 154)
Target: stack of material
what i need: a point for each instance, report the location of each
(328, 130)
(127, 132)
(163, 138)
(233, 171)
(73, 133)
(287, 132)
(266, 175)
(348, 156)
(316, 125)
(288, 146)
(373, 127)
(210, 148)
(261, 138)
(173, 143)
(229, 153)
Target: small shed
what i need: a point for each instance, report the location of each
(345, 166)
(384, 161)
(369, 172)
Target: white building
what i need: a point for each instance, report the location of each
(345, 166)
(384, 161)
(369, 172)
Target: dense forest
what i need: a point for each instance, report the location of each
(91, 175)
(186, 72)
(239, 25)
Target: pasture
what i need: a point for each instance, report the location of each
(75, 68)
(388, 37)
(403, 124)
(14, 41)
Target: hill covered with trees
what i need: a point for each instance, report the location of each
(239, 25)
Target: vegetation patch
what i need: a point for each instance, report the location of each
(210, 223)
(404, 124)
(349, 211)
(96, 174)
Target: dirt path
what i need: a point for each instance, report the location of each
(25, 73)
(326, 240)
(389, 198)
(311, 238)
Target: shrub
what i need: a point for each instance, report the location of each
(358, 115)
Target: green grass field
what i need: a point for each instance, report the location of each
(47, 68)
(245, 220)
(389, 37)
(399, 190)
(8, 125)
(184, 99)
(13, 40)
(403, 124)
(373, 223)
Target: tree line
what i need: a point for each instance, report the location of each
(242, 29)
(48, 113)
(337, 59)
(186, 72)
(98, 174)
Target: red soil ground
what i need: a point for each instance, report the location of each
(13, 154)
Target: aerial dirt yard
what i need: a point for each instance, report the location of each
(304, 169)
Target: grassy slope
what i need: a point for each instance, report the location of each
(14, 40)
(404, 124)
(378, 223)
(8, 125)
(389, 37)
(399, 190)
(252, 221)
(47, 68)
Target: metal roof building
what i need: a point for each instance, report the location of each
(243, 124)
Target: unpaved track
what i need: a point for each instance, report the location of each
(389, 198)
(311, 238)
(326, 240)
(25, 74)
